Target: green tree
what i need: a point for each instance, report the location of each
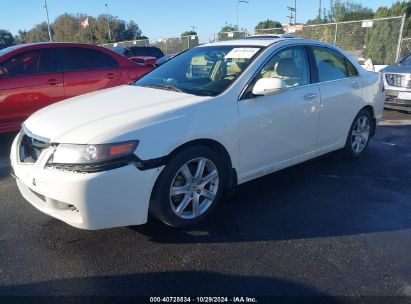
(348, 10)
(21, 37)
(229, 31)
(189, 39)
(133, 32)
(275, 27)
(39, 33)
(6, 39)
(66, 28)
(382, 39)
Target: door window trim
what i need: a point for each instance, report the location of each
(250, 82)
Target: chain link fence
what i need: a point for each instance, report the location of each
(405, 47)
(378, 39)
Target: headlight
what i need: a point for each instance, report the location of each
(76, 157)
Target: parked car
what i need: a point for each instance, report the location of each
(139, 51)
(174, 142)
(35, 75)
(397, 81)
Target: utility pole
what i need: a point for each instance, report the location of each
(238, 4)
(295, 12)
(319, 11)
(108, 24)
(48, 20)
(193, 28)
(292, 16)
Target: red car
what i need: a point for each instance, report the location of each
(33, 76)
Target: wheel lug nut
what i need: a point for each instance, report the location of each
(198, 191)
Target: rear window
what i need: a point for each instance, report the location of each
(87, 59)
(332, 65)
(147, 51)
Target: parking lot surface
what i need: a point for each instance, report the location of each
(330, 226)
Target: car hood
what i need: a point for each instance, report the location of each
(397, 68)
(108, 114)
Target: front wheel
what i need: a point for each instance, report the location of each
(359, 135)
(189, 187)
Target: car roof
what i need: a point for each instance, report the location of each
(264, 42)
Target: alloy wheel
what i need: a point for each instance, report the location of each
(194, 188)
(360, 134)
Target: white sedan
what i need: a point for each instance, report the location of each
(211, 118)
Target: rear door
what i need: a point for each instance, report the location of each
(341, 94)
(30, 80)
(87, 70)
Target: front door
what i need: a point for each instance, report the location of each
(284, 125)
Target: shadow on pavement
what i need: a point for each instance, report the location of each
(6, 140)
(328, 196)
(181, 283)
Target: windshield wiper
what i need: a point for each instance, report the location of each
(168, 87)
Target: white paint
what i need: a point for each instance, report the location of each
(262, 135)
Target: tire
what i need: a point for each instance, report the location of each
(184, 198)
(359, 135)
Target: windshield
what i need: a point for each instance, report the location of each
(407, 60)
(203, 71)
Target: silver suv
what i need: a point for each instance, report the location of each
(397, 82)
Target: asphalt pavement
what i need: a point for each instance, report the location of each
(330, 226)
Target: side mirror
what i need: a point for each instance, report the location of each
(267, 86)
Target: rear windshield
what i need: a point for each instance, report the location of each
(147, 51)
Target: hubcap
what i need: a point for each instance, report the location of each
(194, 188)
(360, 134)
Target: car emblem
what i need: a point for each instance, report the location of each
(34, 182)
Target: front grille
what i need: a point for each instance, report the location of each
(399, 80)
(31, 148)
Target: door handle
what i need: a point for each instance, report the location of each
(355, 85)
(110, 76)
(310, 96)
(53, 82)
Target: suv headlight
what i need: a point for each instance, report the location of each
(92, 158)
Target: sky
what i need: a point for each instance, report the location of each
(165, 18)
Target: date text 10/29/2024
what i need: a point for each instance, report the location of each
(203, 300)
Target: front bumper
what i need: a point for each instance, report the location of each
(393, 102)
(113, 198)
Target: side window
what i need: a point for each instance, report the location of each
(50, 61)
(352, 71)
(32, 62)
(87, 59)
(331, 65)
(291, 65)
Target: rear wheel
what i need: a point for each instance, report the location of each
(359, 135)
(189, 187)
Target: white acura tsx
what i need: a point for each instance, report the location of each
(211, 118)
